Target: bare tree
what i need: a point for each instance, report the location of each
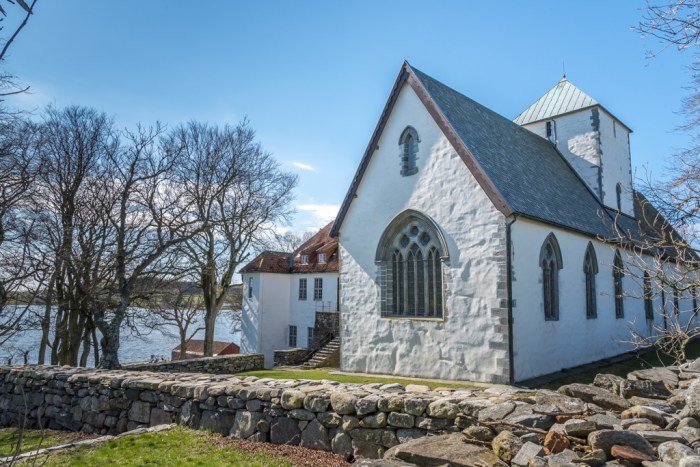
(239, 191)
(287, 241)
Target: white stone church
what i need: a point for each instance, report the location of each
(471, 245)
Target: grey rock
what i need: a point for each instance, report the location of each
(691, 435)
(253, 405)
(317, 402)
(506, 445)
(640, 411)
(692, 399)
(366, 405)
(661, 436)
(557, 402)
(604, 421)
(668, 377)
(415, 406)
(214, 420)
(302, 414)
(688, 422)
(605, 439)
(443, 408)
(441, 450)
(315, 436)
(610, 383)
(368, 450)
(496, 412)
(139, 412)
(245, 424)
(368, 435)
(541, 421)
(349, 423)
(527, 452)
(329, 419)
(158, 417)
(593, 458)
(480, 433)
(565, 458)
(401, 420)
(405, 435)
(341, 443)
(343, 403)
(690, 461)
(284, 431)
(595, 395)
(432, 423)
(644, 388)
(579, 428)
(378, 420)
(672, 452)
(292, 399)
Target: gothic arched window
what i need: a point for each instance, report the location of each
(648, 298)
(409, 148)
(551, 263)
(410, 256)
(590, 269)
(618, 274)
(618, 192)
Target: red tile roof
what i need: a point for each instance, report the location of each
(286, 263)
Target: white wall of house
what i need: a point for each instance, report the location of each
(265, 315)
(617, 165)
(303, 312)
(458, 346)
(542, 347)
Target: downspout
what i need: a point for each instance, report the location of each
(509, 291)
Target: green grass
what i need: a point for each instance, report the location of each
(32, 440)
(647, 359)
(176, 447)
(361, 379)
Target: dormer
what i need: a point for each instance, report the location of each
(593, 141)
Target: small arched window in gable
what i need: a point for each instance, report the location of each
(409, 148)
(590, 269)
(618, 192)
(551, 263)
(618, 274)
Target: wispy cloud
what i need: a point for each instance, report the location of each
(303, 166)
(319, 214)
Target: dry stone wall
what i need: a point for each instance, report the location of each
(650, 416)
(225, 364)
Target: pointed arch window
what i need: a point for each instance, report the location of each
(618, 193)
(551, 263)
(410, 259)
(409, 148)
(590, 269)
(618, 274)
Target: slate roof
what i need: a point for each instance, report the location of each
(563, 98)
(290, 263)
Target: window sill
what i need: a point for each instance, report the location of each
(413, 318)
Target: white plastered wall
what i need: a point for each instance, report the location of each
(445, 190)
(617, 166)
(303, 312)
(265, 317)
(542, 347)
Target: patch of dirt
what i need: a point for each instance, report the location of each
(298, 456)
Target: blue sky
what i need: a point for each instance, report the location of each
(313, 76)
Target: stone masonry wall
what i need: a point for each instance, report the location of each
(290, 356)
(225, 364)
(325, 415)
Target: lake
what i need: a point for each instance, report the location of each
(133, 348)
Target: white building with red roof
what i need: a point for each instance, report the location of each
(283, 293)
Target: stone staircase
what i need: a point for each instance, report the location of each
(328, 355)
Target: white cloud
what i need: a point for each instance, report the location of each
(318, 215)
(302, 166)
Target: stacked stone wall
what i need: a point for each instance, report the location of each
(225, 364)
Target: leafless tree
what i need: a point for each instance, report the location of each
(287, 241)
(178, 307)
(239, 191)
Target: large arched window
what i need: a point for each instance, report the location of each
(410, 256)
(409, 148)
(618, 274)
(590, 269)
(551, 263)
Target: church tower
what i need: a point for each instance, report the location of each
(592, 140)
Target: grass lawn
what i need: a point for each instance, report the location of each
(361, 379)
(179, 446)
(648, 359)
(32, 439)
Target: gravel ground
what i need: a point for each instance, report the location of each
(298, 456)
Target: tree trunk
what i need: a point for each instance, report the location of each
(46, 322)
(95, 347)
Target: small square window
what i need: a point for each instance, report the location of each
(321, 257)
(304, 259)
